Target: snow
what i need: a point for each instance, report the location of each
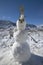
(20, 47)
(6, 57)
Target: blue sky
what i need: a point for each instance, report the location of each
(9, 10)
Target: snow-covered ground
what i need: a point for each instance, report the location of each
(36, 48)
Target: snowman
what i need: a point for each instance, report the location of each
(20, 48)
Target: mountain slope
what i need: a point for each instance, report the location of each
(6, 24)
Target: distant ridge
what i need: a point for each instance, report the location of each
(5, 24)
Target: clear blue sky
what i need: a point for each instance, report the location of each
(9, 10)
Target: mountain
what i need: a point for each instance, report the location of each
(40, 27)
(31, 26)
(6, 24)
